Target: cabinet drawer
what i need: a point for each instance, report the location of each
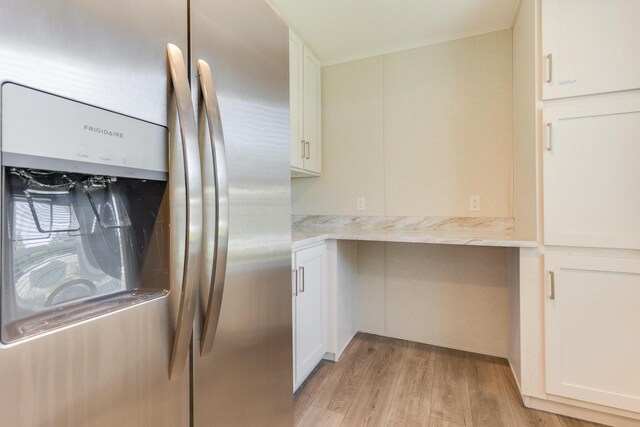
(591, 154)
(591, 329)
(589, 46)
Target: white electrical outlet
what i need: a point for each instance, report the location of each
(474, 203)
(360, 203)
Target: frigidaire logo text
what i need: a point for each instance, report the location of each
(103, 131)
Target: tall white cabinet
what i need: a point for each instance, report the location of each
(305, 104)
(579, 293)
(591, 207)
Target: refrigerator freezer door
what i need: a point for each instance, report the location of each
(112, 370)
(106, 54)
(245, 380)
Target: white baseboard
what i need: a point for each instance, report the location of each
(515, 377)
(346, 344)
(334, 357)
(578, 412)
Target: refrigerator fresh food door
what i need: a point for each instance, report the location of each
(129, 366)
(242, 369)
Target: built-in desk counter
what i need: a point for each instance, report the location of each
(387, 276)
(304, 237)
(432, 230)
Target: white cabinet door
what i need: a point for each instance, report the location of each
(592, 175)
(304, 93)
(592, 329)
(296, 52)
(294, 294)
(590, 46)
(309, 322)
(311, 111)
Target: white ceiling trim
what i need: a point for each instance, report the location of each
(516, 12)
(408, 46)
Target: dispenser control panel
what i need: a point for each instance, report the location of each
(57, 133)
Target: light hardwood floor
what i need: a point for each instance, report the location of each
(388, 382)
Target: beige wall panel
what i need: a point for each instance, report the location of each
(352, 151)
(371, 298)
(417, 132)
(448, 128)
(524, 120)
(450, 296)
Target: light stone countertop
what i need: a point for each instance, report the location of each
(302, 236)
(474, 231)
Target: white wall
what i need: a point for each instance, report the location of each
(524, 120)
(352, 148)
(450, 296)
(417, 132)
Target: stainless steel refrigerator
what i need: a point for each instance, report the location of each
(145, 214)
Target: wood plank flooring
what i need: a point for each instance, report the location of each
(381, 382)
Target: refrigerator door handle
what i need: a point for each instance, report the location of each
(193, 193)
(220, 187)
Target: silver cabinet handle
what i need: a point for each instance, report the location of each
(549, 68)
(549, 141)
(307, 150)
(301, 279)
(193, 220)
(552, 285)
(304, 149)
(216, 187)
(295, 281)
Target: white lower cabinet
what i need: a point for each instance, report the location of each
(592, 329)
(309, 284)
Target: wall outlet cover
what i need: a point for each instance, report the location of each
(474, 203)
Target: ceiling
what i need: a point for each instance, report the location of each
(344, 30)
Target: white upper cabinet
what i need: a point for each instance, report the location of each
(304, 71)
(591, 328)
(296, 51)
(591, 174)
(311, 111)
(590, 46)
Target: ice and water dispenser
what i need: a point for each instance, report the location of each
(84, 212)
